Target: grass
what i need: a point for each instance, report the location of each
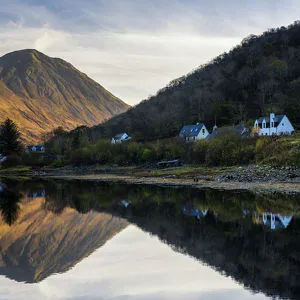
(190, 170)
(14, 170)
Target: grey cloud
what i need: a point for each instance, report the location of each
(135, 47)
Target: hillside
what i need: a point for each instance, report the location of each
(260, 75)
(41, 243)
(41, 93)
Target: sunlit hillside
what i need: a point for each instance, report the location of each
(41, 93)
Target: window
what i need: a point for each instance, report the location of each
(264, 125)
(282, 124)
(203, 131)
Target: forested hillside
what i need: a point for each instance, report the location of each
(260, 75)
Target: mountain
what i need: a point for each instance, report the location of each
(260, 75)
(40, 243)
(41, 93)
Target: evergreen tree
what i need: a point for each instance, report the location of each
(9, 138)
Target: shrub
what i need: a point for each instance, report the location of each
(229, 150)
(200, 151)
(82, 156)
(147, 155)
(33, 159)
(271, 148)
(12, 161)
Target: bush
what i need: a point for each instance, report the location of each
(33, 159)
(82, 156)
(12, 161)
(200, 151)
(229, 150)
(147, 155)
(271, 148)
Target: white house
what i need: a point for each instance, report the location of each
(119, 138)
(192, 133)
(273, 125)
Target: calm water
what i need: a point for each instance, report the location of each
(76, 240)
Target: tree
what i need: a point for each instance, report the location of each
(9, 138)
(59, 131)
(9, 206)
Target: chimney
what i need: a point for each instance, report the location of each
(272, 119)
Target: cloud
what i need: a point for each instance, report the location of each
(133, 265)
(131, 47)
(50, 38)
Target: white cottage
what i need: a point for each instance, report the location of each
(192, 133)
(273, 125)
(272, 220)
(119, 138)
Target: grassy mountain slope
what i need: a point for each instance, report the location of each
(40, 93)
(260, 75)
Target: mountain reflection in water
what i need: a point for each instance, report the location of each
(48, 227)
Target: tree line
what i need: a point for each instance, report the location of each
(228, 148)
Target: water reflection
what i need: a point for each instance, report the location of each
(272, 220)
(231, 232)
(9, 205)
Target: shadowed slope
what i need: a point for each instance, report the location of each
(259, 76)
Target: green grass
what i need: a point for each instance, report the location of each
(18, 170)
(191, 170)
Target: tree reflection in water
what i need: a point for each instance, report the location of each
(9, 206)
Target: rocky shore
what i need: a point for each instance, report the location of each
(256, 173)
(290, 188)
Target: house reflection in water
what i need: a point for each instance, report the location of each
(190, 211)
(39, 194)
(272, 220)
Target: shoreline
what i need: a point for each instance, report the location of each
(288, 188)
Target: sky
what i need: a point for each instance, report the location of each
(135, 47)
(132, 265)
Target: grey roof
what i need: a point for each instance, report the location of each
(119, 135)
(277, 119)
(191, 130)
(237, 129)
